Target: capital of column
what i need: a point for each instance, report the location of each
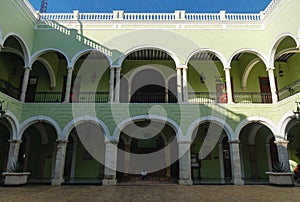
(184, 142)
(227, 68)
(15, 141)
(182, 67)
(70, 68)
(283, 143)
(270, 68)
(115, 67)
(61, 141)
(27, 67)
(234, 141)
(111, 141)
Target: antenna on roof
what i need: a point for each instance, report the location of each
(43, 8)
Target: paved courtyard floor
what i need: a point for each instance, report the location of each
(150, 193)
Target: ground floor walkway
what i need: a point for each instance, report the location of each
(150, 193)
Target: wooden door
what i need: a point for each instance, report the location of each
(265, 90)
(31, 89)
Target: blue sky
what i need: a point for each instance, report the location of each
(200, 6)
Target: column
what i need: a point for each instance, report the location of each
(283, 154)
(221, 157)
(253, 161)
(117, 88)
(179, 86)
(127, 159)
(228, 85)
(168, 161)
(166, 92)
(272, 84)
(184, 85)
(269, 157)
(236, 162)
(184, 163)
(60, 162)
(110, 163)
(25, 83)
(68, 85)
(14, 146)
(129, 91)
(111, 84)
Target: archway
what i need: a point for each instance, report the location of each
(4, 145)
(37, 152)
(85, 155)
(148, 145)
(215, 165)
(258, 152)
(292, 135)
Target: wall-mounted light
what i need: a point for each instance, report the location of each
(2, 110)
(297, 112)
(290, 137)
(280, 72)
(202, 78)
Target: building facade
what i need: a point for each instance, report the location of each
(190, 97)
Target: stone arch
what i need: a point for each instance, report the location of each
(275, 45)
(247, 72)
(14, 124)
(29, 122)
(85, 119)
(253, 51)
(83, 52)
(283, 124)
(37, 54)
(130, 120)
(137, 48)
(218, 121)
(218, 54)
(22, 43)
(49, 70)
(266, 122)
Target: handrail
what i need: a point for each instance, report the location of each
(9, 89)
(252, 97)
(289, 90)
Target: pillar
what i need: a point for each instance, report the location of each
(168, 161)
(269, 157)
(179, 85)
(228, 85)
(236, 162)
(111, 84)
(184, 85)
(60, 162)
(253, 161)
(127, 159)
(184, 163)
(283, 154)
(118, 83)
(272, 84)
(111, 150)
(221, 157)
(166, 92)
(25, 83)
(68, 85)
(13, 154)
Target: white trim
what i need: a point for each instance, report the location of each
(83, 52)
(84, 119)
(142, 47)
(267, 122)
(250, 50)
(23, 45)
(283, 123)
(14, 124)
(218, 121)
(36, 119)
(217, 53)
(130, 120)
(49, 70)
(275, 45)
(39, 53)
(247, 71)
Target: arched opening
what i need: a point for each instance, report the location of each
(210, 160)
(85, 155)
(292, 134)
(286, 63)
(148, 86)
(252, 85)
(206, 78)
(45, 82)
(12, 67)
(4, 145)
(90, 80)
(37, 152)
(147, 71)
(150, 146)
(258, 152)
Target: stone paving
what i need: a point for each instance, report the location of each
(150, 193)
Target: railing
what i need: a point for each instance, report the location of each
(202, 16)
(95, 16)
(252, 97)
(149, 16)
(289, 90)
(90, 97)
(148, 97)
(44, 97)
(270, 7)
(206, 97)
(242, 17)
(57, 16)
(30, 8)
(9, 89)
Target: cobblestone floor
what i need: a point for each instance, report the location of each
(150, 193)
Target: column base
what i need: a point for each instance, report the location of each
(57, 182)
(109, 182)
(238, 182)
(185, 182)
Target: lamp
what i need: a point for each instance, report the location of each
(2, 111)
(280, 72)
(290, 137)
(297, 112)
